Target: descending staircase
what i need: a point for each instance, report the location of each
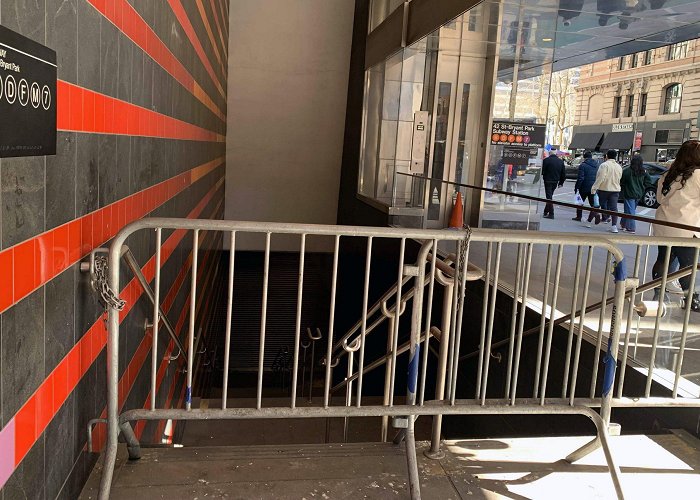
(474, 469)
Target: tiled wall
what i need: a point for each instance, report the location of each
(142, 120)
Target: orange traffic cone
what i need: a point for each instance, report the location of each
(457, 217)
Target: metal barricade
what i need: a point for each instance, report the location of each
(485, 248)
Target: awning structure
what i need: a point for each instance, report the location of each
(586, 140)
(618, 140)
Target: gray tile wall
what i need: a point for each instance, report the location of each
(88, 172)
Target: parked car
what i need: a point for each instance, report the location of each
(655, 171)
(571, 169)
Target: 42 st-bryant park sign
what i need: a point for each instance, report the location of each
(514, 134)
(27, 96)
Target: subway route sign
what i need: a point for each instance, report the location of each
(27, 96)
(514, 134)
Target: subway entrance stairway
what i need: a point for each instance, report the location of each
(398, 363)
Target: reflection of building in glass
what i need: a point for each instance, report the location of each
(652, 93)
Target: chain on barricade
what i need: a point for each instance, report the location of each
(109, 297)
(462, 253)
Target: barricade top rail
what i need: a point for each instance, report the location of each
(474, 234)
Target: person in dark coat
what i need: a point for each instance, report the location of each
(586, 178)
(553, 174)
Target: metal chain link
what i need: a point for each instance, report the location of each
(109, 297)
(462, 252)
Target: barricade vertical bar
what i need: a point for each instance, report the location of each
(489, 331)
(442, 368)
(582, 318)
(514, 315)
(461, 272)
(686, 320)
(156, 321)
(229, 317)
(613, 341)
(263, 321)
(454, 354)
(112, 376)
(428, 320)
(550, 330)
(331, 321)
(628, 328)
(348, 397)
(363, 332)
(543, 319)
(297, 332)
(572, 324)
(397, 316)
(659, 313)
(413, 363)
(482, 335)
(388, 370)
(521, 322)
(193, 303)
(601, 319)
(641, 296)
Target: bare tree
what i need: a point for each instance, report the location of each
(562, 103)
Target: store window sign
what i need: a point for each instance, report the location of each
(27, 96)
(623, 127)
(529, 135)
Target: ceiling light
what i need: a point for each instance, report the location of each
(546, 39)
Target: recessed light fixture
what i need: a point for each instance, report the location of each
(547, 39)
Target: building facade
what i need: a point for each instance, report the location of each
(652, 95)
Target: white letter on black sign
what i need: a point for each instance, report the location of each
(35, 95)
(23, 92)
(10, 89)
(46, 97)
(1, 88)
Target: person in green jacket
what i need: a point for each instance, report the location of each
(633, 183)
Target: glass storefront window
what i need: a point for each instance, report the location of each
(422, 117)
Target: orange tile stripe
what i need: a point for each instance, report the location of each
(83, 110)
(210, 33)
(181, 15)
(219, 29)
(128, 21)
(34, 262)
(31, 420)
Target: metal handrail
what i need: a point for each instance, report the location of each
(473, 273)
(650, 285)
(537, 199)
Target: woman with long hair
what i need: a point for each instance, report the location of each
(679, 201)
(633, 182)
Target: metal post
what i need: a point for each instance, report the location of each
(263, 320)
(331, 323)
(363, 331)
(229, 318)
(613, 341)
(156, 322)
(297, 330)
(190, 336)
(413, 365)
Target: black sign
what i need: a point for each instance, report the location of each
(516, 156)
(27, 96)
(530, 135)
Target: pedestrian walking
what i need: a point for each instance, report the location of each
(633, 183)
(678, 196)
(586, 178)
(607, 186)
(553, 175)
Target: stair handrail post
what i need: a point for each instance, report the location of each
(413, 367)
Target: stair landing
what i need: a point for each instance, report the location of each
(524, 468)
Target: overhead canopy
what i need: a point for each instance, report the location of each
(586, 140)
(618, 140)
